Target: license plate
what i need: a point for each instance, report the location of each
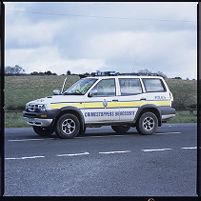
(31, 119)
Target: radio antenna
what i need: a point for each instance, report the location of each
(64, 84)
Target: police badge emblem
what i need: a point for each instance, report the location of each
(105, 103)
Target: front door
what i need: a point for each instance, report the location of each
(102, 105)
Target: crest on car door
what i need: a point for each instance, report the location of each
(105, 103)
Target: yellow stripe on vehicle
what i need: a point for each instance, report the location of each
(113, 104)
(141, 103)
(60, 105)
(93, 105)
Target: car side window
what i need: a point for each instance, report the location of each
(130, 86)
(153, 85)
(105, 87)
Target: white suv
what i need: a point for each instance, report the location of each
(122, 102)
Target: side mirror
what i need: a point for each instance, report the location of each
(56, 91)
(92, 93)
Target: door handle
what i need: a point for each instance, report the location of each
(116, 100)
(143, 99)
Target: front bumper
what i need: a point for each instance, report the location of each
(38, 122)
(37, 119)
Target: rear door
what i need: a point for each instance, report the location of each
(131, 98)
(156, 92)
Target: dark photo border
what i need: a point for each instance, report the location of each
(2, 42)
(198, 102)
(147, 198)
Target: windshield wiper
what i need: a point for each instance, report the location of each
(74, 93)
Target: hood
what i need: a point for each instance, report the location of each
(57, 99)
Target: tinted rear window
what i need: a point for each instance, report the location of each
(130, 86)
(153, 85)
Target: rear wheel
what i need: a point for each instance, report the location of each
(147, 124)
(43, 131)
(68, 126)
(121, 129)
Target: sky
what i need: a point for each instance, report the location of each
(85, 37)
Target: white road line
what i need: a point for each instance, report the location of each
(24, 140)
(165, 133)
(26, 157)
(29, 157)
(114, 152)
(101, 136)
(75, 154)
(151, 150)
(188, 147)
(128, 134)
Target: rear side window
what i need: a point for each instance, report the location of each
(153, 85)
(130, 86)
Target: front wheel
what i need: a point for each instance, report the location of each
(43, 131)
(121, 129)
(147, 124)
(68, 126)
(82, 132)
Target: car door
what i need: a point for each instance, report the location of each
(131, 98)
(102, 104)
(157, 92)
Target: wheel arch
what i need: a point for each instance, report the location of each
(149, 108)
(70, 110)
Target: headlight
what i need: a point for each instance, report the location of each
(35, 107)
(41, 108)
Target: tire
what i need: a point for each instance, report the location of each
(67, 126)
(121, 129)
(82, 132)
(147, 123)
(43, 131)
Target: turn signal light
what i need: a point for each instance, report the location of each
(43, 115)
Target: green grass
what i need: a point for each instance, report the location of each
(15, 119)
(184, 92)
(184, 117)
(21, 89)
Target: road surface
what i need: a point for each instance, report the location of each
(102, 163)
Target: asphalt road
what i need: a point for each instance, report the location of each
(102, 163)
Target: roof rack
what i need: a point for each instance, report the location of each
(104, 73)
(114, 73)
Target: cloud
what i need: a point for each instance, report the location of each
(48, 58)
(160, 36)
(27, 34)
(171, 52)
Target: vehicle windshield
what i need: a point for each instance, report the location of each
(80, 87)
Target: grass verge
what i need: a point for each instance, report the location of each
(184, 117)
(15, 119)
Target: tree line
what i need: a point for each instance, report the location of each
(18, 70)
(183, 100)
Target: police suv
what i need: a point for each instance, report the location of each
(121, 101)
